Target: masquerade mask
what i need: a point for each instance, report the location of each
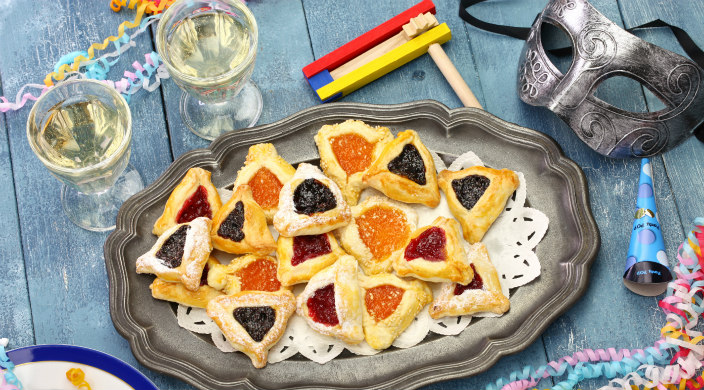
(601, 49)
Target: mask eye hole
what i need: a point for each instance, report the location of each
(626, 93)
(557, 45)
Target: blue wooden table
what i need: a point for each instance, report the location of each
(53, 285)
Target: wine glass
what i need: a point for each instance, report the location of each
(81, 131)
(209, 48)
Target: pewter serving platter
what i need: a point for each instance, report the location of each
(556, 186)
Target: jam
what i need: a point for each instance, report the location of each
(231, 227)
(382, 301)
(475, 284)
(311, 196)
(429, 245)
(383, 230)
(321, 306)
(259, 275)
(265, 188)
(171, 252)
(195, 206)
(353, 152)
(309, 247)
(409, 164)
(204, 275)
(470, 189)
(256, 320)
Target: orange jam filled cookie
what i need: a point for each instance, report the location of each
(347, 150)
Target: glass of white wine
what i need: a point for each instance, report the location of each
(81, 131)
(209, 48)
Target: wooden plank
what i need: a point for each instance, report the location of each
(16, 324)
(685, 163)
(64, 264)
(283, 51)
(632, 321)
(333, 23)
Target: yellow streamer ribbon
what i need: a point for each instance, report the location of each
(143, 6)
(77, 378)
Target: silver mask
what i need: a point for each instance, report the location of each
(601, 50)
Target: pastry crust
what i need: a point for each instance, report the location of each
(264, 156)
(290, 274)
(488, 299)
(454, 268)
(401, 188)
(289, 223)
(351, 185)
(233, 282)
(351, 240)
(194, 178)
(381, 334)
(196, 251)
(177, 292)
(257, 237)
(221, 310)
(476, 222)
(348, 306)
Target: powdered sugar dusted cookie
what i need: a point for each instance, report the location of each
(179, 254)
(310, 203)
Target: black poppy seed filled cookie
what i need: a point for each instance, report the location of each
(310, 203)
(253, 321)
(240, 226)
(477, 196)
(405, 171)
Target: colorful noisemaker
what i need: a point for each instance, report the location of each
(384, 48)
(647, 271)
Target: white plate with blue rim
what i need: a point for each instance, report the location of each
(44, 367)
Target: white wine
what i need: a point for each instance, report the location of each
(79, 132)
(208, 44)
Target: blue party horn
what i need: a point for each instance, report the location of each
(647, 271)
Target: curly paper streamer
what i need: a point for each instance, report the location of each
(142, 7)
(22, 97)
(585, 364)
(140, 79)
(9, 380)
(98, 68)
(683, 305)
(153, 7)
(95, 69)
(78, 378)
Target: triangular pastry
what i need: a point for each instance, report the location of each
(247, 273)
(330, 303)
(390, 305)
(177, 292)
(347, 150)
(179, 254)
(435, 253)
(378, 232)
(253, 321)
(301, 257)
(195, 196)
(482, 294)
(405, 171)
(476, 196)
(265, 172)
(310, 203)
(240, 226)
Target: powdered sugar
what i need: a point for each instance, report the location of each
(289, 222)
(510, 243)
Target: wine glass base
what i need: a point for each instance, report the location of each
(98, 212)
(209, 120)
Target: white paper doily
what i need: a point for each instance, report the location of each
(510, 242)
